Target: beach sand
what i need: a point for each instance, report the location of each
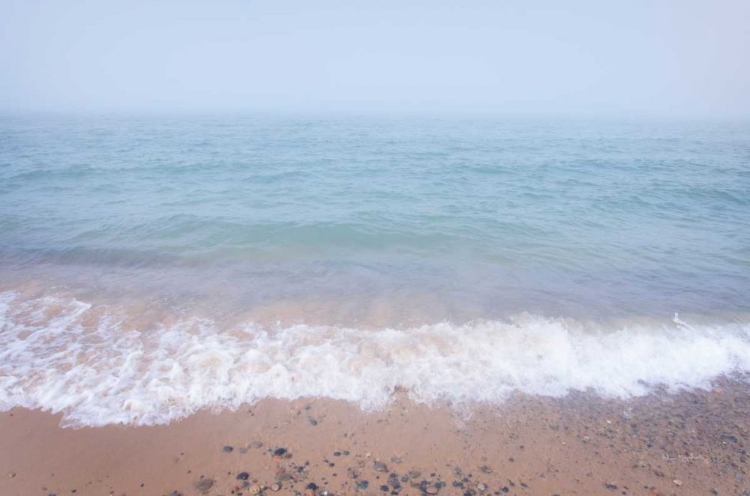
(685, 443)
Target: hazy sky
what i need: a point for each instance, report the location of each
(654, 57)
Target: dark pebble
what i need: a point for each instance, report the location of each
(380, 467)
(312, 421)
(279, 452)
(228, 449)
(336, 453)
(363, 484)
(243, 476)
(312, 486)
(385, 488)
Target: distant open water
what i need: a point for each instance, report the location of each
(151, 267)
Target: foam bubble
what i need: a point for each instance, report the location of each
(64, 355)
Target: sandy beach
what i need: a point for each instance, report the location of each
(663, 444)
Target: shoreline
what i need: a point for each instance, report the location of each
(692, 442)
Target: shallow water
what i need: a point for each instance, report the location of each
(195, 262)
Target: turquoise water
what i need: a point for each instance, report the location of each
(554, 217)
(377, 224)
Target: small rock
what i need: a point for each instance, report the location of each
(413, 474)
(485, 469)
(363, 485)
(431, 490)
(385, 488)
(256, 444)
(243, 476)
(481, 487)
(11, 475)
(279, 452)
(380, 466)
(396, 460)
(204, 485)
(275, 486)
(256, 489)
(677, 482)
(228, 449)
(312, 421)
(610, 485)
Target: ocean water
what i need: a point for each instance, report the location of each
(152, 266)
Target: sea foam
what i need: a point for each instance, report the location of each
(88, 362)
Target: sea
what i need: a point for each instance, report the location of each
(152, 266)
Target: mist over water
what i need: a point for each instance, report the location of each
(190, 263)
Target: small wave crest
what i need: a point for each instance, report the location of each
(98, 367)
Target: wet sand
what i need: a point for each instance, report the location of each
(687, 443)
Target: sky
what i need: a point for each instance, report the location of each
(630, 58)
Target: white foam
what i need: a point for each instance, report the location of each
(63, 355)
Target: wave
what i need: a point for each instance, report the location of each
(101, 364)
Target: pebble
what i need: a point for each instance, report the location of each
(380, 466)
(485, 469)
(243, 476)
(312, 421)
(431, 490)
(396, 460)
(228, 449)
(255, 489)
(677, 482)
(610, 485)
(413, 474)
(363, 484)
(256, 444)
(11, 475)
(275, 486)
(279, 452)
(204, 485)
